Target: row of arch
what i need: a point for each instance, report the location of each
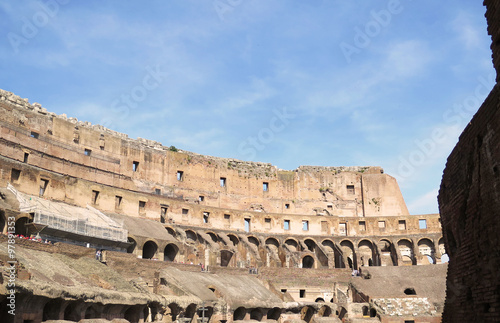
(309, 253)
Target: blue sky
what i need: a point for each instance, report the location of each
(331, 83)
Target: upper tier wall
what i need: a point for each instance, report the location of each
(28, 133)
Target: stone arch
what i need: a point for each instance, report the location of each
(388, 255)
(205, 313)
(342, 312)
(405, 247)
(310, 244)
(174, 311)
(21, 227)
(308, 262)
(225, 257)
(331, 248)
(254, 241)
(325, 311)
(365, 310)
(91, 312)
(256, 314)
(131, 248)
(170, 252)
(213, 236)
(234, 239)
(426, 249)
(3, 222)
(272, 243)
(72, 313)
(133, 313)
(274, 314)
(292, 244)
(171, 231)
(149, 249)
(306, 314)
(191, 235)
(239, 314)
(348, 254)
(319, 300)
(52, 310)
(190, 311)
(366, 253)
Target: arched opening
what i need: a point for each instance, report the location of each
(91, 313)
(239, 314)
(387, 253)
(71, 313)
(225, 257)
(2, 221)
(373, 312)
(342, 312)
(205, 313)
(256, 314)
(149, 250)
(213, 236)
(170, 252)
(410, 291)
(307, 262)
(272, 244)
(365, 310)
(21, 228)
(325, 311)
(274, 314)
(190, 311)
(132, 314)
(348, 253)
(145, 314)
(365, 251)
(292, 245)
(310, 244)
(406, 251)
(131, 248)
(426, 248)
(191, 235)
(171, 231)
(306, 314)
(445, 258)
(319, 300)
(174, 311)
(233, 239)
(254, 241)
(52, 310)
(328, 245)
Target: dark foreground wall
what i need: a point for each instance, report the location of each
(469, 203)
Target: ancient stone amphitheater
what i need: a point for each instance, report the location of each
(191, 238)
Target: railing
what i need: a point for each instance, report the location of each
(79, 226)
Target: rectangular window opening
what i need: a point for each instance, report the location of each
(422, 224)
(205, 217)
(14, 175)
(329, 206)
(283, 290)
(287, 206)
(381, 224)
(343, 229)
(227, 217)
(402, 225)
(350, 189)
(157, 191)
(305, 225)
(135, 166)
(26, 156)
(34, 135)
(324, 226)
(201, 198)
(222, 182)
(43, 186)
(267, 222)
(185, 211)
(95, 197)
(302, 293)
(286, 225)
(247, 225)
(118, 202)
(142, 206)
(87, 152)
(180, 175)
(362, 226)
(265, 186)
